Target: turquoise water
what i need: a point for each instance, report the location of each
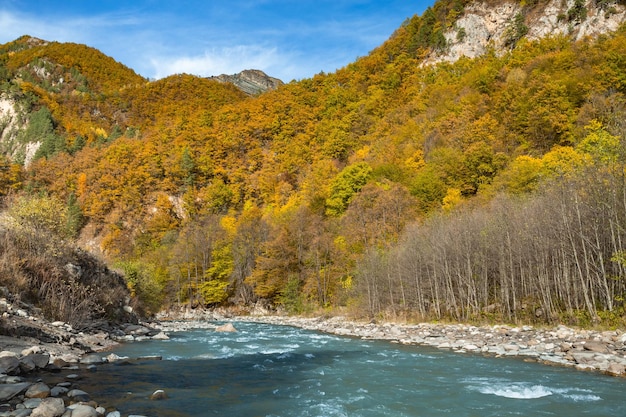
(266, 370)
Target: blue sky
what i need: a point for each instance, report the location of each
(288, 39)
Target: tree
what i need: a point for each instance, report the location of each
(345, 185)
(250, 232)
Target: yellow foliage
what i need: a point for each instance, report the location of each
(562, 161)
(229, 224)
(452, 199)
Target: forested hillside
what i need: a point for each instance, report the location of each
(484, 188)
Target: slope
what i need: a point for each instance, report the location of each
(299, 196)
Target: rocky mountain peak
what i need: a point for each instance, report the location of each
(487, 24)
(252, 82)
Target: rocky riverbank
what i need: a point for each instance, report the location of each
(41, 374)
(43, 363)
(586, 350)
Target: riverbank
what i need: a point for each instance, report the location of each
(43, 364)
(40, 375)
(585, 350)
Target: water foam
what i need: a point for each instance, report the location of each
(517, 391)
(583, 397)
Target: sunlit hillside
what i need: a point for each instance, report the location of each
(480, 188)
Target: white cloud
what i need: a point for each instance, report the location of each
(216, 61)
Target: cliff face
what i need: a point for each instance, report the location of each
(251, 82)
(485, 25)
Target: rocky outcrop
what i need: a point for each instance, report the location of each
(484, 25)
(251, 82)
(12, 121)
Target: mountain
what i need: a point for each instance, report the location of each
(251, 82)
(459, 170)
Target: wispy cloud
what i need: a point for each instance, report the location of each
(226, 60)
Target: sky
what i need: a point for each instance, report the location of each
(287, 39)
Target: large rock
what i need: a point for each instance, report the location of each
(228, 327)
(9, 365)
(8, 391)
(616, 369)
(584, 358)
(160, 336)
(58, 391)
(38, 390)
(251, 82)
(159, 395)
(49, 407)
(41, 360)
(82, 410)
(78, 395)
(136, 330)
(27, 364)
(594, 346)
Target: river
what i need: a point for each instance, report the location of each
(269, 370)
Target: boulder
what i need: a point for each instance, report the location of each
(49, 407)
(82, 410)
(511, 347)
(136, 330)
(227, 328)
(8, 391)
(78, 395)
(584, 357)
(41, 360)
(594, 346)
(38, 390)
(25, 412)
(58, 391)
(616, 369)
(9, 365)
(27, 364)
(115, 358)
(114, 414)
(159, 395)
(160, 336)
(31, 403)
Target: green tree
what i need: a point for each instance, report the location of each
(41, 129)
(345, 185)
(601, 145)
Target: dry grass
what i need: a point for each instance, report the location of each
(64, 282)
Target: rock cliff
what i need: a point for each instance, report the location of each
(500, 25)
(251, 82)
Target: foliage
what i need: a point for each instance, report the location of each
(347, 183)
(11, 176)
(40, 214)
(318, 193)
(40, 268)
(515, 31)
(141, 284)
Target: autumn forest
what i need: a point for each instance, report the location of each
(489, 189)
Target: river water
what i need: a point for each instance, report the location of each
(268, 370)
